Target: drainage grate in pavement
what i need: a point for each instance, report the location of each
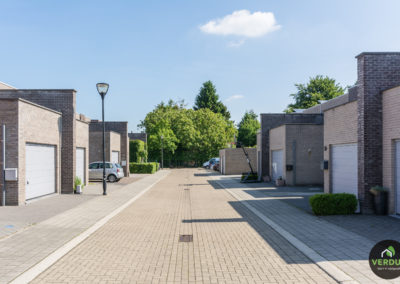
(186, 188)
(186, 238)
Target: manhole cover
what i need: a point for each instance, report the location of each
(186, 238)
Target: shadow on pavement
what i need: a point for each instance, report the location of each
(329, 241)
(224, 220)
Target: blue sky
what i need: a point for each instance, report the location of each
(150, 51)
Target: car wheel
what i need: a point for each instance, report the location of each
(112, 178)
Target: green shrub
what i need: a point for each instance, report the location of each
(250, 177)
(333, 204)
(143, 168)
(137, 151)
(77, 182)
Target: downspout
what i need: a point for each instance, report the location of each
(294, 161)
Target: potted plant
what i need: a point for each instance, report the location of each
(78, 185)
(280, 182)
(380, 199)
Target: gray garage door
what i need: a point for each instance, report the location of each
(40, 176)
(115, 157)
(80, 163)
(344, 169)
(397, 177)
(277, 164)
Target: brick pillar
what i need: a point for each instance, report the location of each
(376, 73)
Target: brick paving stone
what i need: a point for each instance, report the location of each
(24, 249)
(345, 245)
(141, 244)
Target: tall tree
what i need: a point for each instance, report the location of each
(190, 136)
(317, 89)
(208, 98)
(248, 127)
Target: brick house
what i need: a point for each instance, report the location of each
(112, 146)
(270, 121)
(73, 132)
(116, 127)
(296, 152)
(361, 132)
(26, 141)
(233, 161)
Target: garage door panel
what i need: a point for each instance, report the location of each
(80, 163)
(40, 176)
(115, 157)
(344, 169)
(277, 164)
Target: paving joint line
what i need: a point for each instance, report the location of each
(332, 270)
(44, 264)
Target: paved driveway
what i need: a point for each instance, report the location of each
(16, 218)
(185, 231)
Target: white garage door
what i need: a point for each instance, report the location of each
(80, 163)
(115, 157)
(40, 176)
(398, 177)
(344, 169)
(277, 164)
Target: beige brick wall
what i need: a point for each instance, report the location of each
(82, 141)
(340, 127)
(235, 162)
(115, 143)
(277, 141)
(391, 133)
(4, 86)
(40, 126)
(304, 150)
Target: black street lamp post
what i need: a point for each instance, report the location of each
(102, 88)
(162, 152)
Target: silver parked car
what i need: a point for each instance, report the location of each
(114, 171)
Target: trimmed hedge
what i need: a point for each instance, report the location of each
(143, 168)
(137, 151)
(333, 204)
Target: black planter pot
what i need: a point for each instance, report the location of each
(380, 202)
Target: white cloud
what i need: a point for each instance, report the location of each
(242, 23)
(234, 97)
(236, 43)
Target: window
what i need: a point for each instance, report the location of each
(108, 166)
(93, 166)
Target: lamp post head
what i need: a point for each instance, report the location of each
(102, 88)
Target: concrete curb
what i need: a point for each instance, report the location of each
(52, 258)
(331, 269)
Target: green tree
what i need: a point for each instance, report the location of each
(317, 89)
(190, 136)
(247, 129)
(208, 98)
